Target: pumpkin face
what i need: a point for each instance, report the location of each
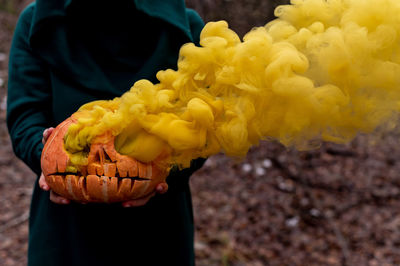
(108, 176)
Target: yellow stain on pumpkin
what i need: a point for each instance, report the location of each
(323, 71)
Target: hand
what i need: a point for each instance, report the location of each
(160, 189)
(54, 197)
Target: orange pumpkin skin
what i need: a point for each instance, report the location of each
(108, 176)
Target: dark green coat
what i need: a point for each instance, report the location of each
(66, 53)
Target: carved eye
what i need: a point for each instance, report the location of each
(108, 175)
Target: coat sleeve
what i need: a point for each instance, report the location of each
(196, 24)
(29, 98)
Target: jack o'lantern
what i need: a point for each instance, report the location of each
(108, 176)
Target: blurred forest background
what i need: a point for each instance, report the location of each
(337, 205)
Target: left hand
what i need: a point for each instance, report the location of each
(160, 189)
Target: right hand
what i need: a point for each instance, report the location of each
(54, 197)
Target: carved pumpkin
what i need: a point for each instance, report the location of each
(108, 176)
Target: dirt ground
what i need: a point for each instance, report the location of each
(336, 205)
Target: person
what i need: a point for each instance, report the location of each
(66, 53)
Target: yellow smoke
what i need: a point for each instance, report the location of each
(323, 71)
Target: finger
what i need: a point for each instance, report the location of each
(162, 188)
(42, 183)
(54, 197)
(138, 202)
(46, 133)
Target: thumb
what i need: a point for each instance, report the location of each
(42, 183)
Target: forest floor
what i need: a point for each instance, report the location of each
(335, 205)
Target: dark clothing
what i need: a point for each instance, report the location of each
(66, 53)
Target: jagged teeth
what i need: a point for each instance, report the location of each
(149, 171)
(121, 169)
(110, 169)
(95, 169)
(98, 188)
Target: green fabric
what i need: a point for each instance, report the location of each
(67, 53)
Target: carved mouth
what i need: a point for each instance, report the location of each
(104, 181)
(94, 188)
